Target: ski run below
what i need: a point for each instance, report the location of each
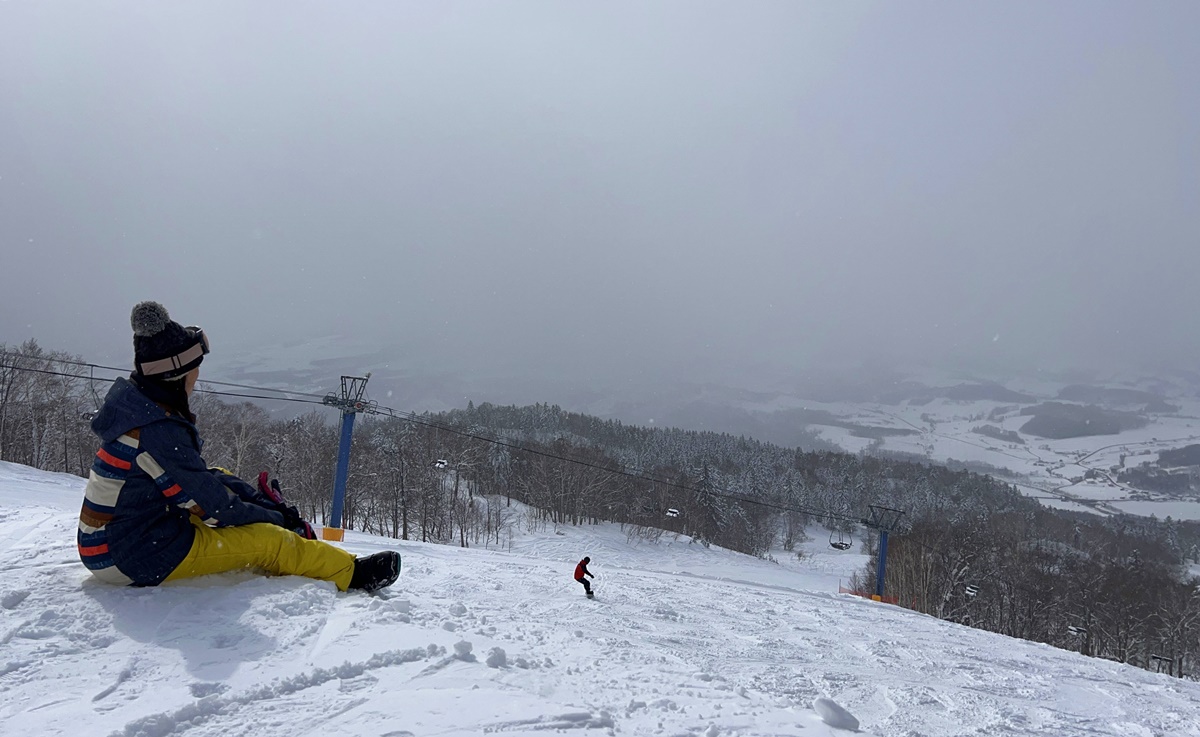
(682, 640)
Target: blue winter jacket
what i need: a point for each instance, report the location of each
(146, 482)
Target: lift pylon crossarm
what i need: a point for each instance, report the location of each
(366, 406)
(883, 518)
(351, 399)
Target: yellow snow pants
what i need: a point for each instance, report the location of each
(266, 546)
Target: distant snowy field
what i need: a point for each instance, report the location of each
(682, 640)
(942, 430)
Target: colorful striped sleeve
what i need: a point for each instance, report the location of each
(170, 457)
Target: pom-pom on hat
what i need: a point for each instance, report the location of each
(162, 348)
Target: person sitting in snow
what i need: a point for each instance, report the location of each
(581, 571)
(154, 512)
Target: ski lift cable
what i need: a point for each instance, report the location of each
(202, 391)
(989, 577)
(411, 417)
(93, 366)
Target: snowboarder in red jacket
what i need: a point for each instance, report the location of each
(581, 571)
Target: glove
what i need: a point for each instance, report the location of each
(305, 531)
(294, 522)
(271, 490)
(291, 517)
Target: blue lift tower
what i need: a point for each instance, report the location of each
(350, 403)
(883, 519)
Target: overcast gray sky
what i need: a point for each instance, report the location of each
(610, 187)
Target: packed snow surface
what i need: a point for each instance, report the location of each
(682, 640)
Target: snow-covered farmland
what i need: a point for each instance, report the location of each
(1072, 473)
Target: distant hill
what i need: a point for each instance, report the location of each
(919, 394)
(987, 392)
(1116, 397)
(1057, 420)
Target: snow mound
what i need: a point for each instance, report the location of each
(832, 713)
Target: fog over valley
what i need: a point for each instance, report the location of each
(617, 198)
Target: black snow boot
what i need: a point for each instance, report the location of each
(376, 571)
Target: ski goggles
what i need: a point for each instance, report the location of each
(197, 332)
(182, 362)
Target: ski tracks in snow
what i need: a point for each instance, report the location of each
(513, 647)
(610, 656)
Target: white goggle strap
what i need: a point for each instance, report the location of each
(163, 365)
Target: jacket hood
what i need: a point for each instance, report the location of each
(125, 407)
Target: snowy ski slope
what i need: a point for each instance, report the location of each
(682, 640)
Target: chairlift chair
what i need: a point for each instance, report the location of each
(844, 542)
(1163, 665)
(971, 590)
